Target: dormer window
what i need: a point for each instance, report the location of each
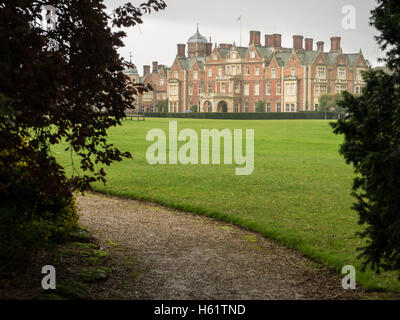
(252, 54)
(274, 73)
(195, 75)
(215, 56)
(293, 72)
(321, 72)
(234, 56)
(341, 73)
(359, 74)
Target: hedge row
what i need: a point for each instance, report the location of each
(249, 116)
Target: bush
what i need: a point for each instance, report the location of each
(250, 115)
(29, 218)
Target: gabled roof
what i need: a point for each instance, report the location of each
(351, 58)
(188, 62)
(223, 52)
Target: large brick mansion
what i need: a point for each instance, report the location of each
(230, 78)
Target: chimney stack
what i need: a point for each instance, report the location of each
(298, 42)
(181, 50)
(255, 38)
(320, 46)
(146, 70)
(277, 40)
(309, 44)
(335, 43)
(209, 49)
(225, 46)
(269, 40)
(155, 67)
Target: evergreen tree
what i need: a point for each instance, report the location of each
(372, 145)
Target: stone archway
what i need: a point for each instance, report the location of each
(222, 107)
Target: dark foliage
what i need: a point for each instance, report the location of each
(372, 145)
(64, 84)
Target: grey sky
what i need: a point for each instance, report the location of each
(156, 39)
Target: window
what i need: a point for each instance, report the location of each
(287, 107)
(268, 107)
(268, 88)
(257, 90)
(237, 88)
(236, 107)
(246, 90)
(246, 107)
(359, 74)
(215, 56)
(219, 72)
(190, 90)
(316, 107)
(234, 70)
(293, 107)
(278, 89)
(176, 75)
(342, 73)
(234, 55)
(209, 88)
(273, 73)
(247, 71)
(321, 72)
(278, 107)
(357, 90)
(319, 90)
(173, 89)
(210, 73)
(223, 88)
(252, 55)
(257, 71)
(195, 75)
(290, 89)
(340, 89)
(162, 82)
(199, 90)
(293, 72)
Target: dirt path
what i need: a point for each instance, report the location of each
(182, 256)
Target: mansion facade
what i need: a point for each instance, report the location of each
(230, 78)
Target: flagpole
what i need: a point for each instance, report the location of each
(240, 30)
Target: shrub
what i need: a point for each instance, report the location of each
(29, 218)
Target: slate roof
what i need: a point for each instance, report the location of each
(197, 38)
(188, 62)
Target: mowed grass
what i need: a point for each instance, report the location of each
(299, 193)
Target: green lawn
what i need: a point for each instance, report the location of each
(298, 194)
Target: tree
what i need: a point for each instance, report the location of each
(60, 82)
(64, 83)
(193, 108)
(372, 144)
(329, 103)
(260, 107)
(162, 106)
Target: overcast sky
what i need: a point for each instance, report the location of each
(156, 38)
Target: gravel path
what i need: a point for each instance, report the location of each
(185, 256)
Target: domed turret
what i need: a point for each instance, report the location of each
(197, 45)
(197, 38)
